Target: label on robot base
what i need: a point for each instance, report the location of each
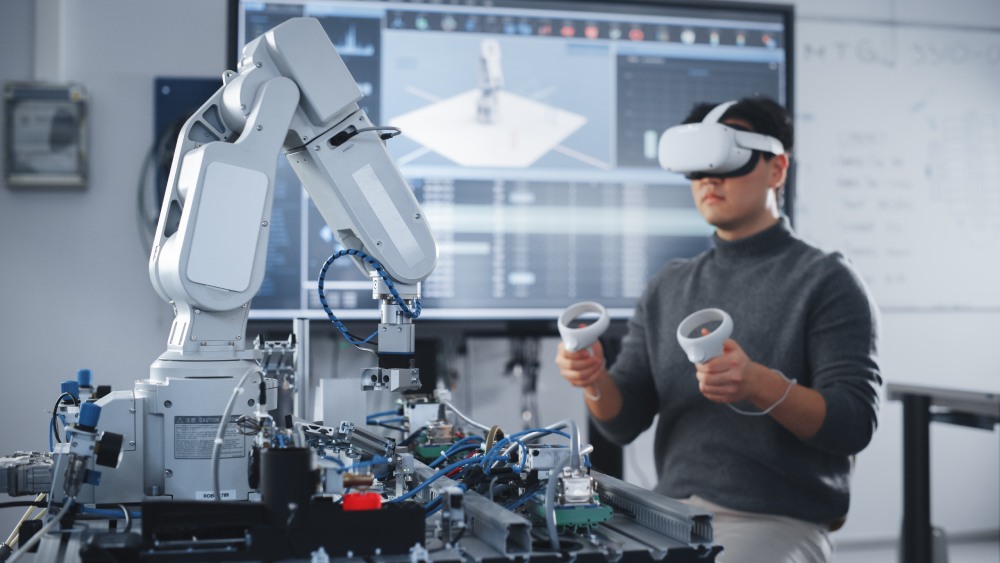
(209, 495)
(194, 437)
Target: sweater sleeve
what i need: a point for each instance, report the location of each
(632, 374)
(842, 347)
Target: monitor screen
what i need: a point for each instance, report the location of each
(529, 136)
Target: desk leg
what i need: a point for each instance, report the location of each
(916, 536)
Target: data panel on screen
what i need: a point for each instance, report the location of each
(529, 133)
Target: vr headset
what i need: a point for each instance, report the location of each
(713, 150)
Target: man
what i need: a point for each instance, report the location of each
(802, 357)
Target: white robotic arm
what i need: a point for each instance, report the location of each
(490, 80)
(291, 91)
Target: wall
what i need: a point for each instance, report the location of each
(76, 288)
(899, 168)
(76, 292)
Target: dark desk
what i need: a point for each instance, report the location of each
(921, 406)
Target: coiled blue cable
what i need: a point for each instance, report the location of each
(414, 313)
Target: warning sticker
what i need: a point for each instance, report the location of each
(194, 437)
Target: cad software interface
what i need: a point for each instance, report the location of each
(529, 135)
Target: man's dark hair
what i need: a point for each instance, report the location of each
(763, 114)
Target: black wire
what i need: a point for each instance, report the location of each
(23, 503)
(386, 136)
(55, 413)
(413, 436)
(351, 132)
(246, 426)
(434, 504)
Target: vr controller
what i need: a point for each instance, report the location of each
(577, 338)
(702, 334)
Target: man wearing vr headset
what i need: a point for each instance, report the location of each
(763, 435)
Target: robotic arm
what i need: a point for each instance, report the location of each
(490, 80)
(292, 92)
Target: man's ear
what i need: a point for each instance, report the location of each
(779, 171)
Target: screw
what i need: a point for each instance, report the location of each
(197, 311)
(238, 337)
(243, 107)
(260, 127)
(317, 148)
(250, 403)
(168, 473)
(168, 404)
(131, 411)
(131, 443)
(416, 216)
(259, 65)
(263, 223)
(378, 243)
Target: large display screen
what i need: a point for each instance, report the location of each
(529, 135)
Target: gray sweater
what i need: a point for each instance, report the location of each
(795, 309)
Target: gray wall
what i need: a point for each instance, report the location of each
(76, 292)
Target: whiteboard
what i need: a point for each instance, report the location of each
(898, 158)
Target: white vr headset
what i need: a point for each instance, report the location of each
(713, 149)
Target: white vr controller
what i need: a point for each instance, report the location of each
(578, 338)
(701, 348)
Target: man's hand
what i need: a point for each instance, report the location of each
(585, 369)
(581, 368)
(733, 377)
(729, 377)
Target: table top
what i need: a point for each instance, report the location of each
(962, 400)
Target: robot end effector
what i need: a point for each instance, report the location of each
(292, 92)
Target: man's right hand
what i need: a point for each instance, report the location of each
(582, 368)
(585, 369)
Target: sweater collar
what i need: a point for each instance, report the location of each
(765, 242)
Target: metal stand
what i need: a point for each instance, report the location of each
(303, 383)
(919, 542)
(916, 536)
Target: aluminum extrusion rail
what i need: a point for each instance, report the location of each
(501, 529)
(672, 518)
